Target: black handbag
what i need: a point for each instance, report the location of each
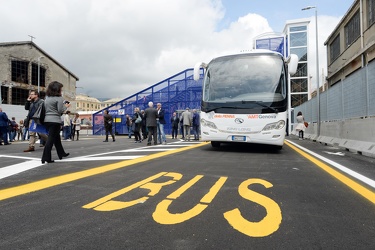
(39, 114)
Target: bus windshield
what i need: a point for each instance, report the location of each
(245, 78)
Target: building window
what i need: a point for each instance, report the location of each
(34, 75)
(298, 39)
(300, 52)
(298, 28)
(301, 70)
(352, 29)
(20, 71)
(298, 99)
(19, 96)
(4, 94)
(371, 12)
(299, 85)
(334, 48)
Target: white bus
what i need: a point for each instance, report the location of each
(245, 98)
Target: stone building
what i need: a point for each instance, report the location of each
(24, 66)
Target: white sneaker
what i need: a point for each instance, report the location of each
(165, 143)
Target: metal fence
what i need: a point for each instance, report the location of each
(354, 97)
(175, 93)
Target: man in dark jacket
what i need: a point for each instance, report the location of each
(196, 124)
(32, 104)
(150, 115)
(160, 121)
(175, 122)
(108, 121)
(4, 127)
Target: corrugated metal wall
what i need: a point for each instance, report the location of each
(353, 97)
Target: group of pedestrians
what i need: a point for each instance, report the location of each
(9, 129)
(149, 124)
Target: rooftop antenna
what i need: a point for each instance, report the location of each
(32, 37)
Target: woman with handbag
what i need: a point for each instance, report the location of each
(55, 107)
(300, 128)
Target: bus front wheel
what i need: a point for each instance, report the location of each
(215, 144)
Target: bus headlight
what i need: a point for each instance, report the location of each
(206, 123)
(275, 125)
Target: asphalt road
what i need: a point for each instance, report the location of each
(186, 195)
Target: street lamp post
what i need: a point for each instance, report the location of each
(39, 72)
(317, 65)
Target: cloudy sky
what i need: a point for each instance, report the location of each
(120, 47)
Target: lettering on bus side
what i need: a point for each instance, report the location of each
(271, 116)
(266, 226)
(224, 116)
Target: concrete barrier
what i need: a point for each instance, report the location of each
(354, 135)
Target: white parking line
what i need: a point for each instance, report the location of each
(18, 168)
(36, 162)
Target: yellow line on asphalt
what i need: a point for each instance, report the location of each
(368, 194)
(58, 180)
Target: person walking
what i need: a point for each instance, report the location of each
(55, 107)
(137, 124)
(67, 129)
(187, 121)
(196, 124)
(32, 104)
(77, 126)
(144, 128)
(150, 115)
(160, 121)
(300, 128)
(108, 121)
(4, 127)
(174, 122)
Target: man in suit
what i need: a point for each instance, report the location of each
(150, 115)
(175, 122)
(187, 121)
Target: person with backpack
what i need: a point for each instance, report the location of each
(13, 129)
(32, 104)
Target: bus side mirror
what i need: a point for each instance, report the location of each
(197, 70)
(292, 64)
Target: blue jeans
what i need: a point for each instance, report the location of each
(161, 134)
(67, 132)
(196, 132)
(4, 133)
(130, 131)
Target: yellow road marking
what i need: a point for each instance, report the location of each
(368, 194)
(58, 180)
